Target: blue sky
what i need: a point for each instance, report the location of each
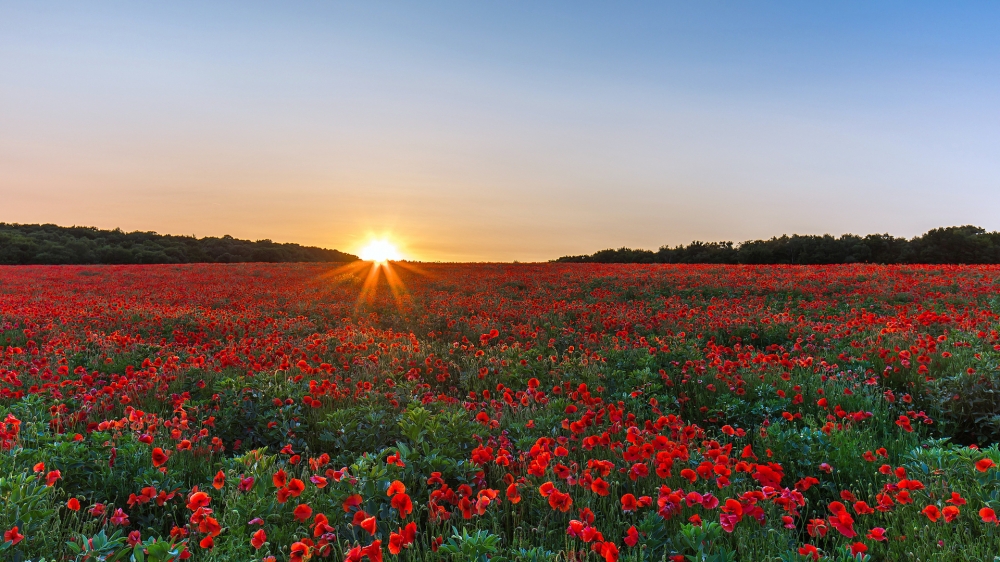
(499, 131)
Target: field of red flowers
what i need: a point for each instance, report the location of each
(551, 412)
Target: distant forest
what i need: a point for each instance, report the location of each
(22, 244)
(953, 244)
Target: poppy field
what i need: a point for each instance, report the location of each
(505, 412)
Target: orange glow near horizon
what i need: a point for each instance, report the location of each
(380, 251)
(369, 272)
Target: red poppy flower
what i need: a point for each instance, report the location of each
(279, 479)
(73, 504)
(631, 536)
(296, 487)
(988, 515)
(956, 499)
(403, 504)
(258, 539)
(198, 499)
(159, 457)
(628, 503)
(219, 481)
(932, 513)
(302, 512)
(599, 487)
(395, 488)
(560, 501)
(353, 500)
(13, 535)
(983, 465)
(809, 550)
(373, 551)
(862, 508)
(877, 534)
(513, 494)
(299, 552)
(321, 525)
(609, 551)
(690, 475)
(51, 477)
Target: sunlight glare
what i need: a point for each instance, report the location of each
(380, 251)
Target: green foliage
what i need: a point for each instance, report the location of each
(28, 505)
(104, 548)
(953, 244)
(22, 244)
(478, 546)
(705, 542)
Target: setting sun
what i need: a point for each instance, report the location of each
(380, 251)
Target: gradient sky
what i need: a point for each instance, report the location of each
(502, 130)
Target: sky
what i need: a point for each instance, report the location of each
(498, 131)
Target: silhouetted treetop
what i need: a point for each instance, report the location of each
(22, 244)
(953, 244)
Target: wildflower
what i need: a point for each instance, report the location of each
(219, 481)
(403, 504)
(258, 539)
(956, 499)
(988, 515)
(302, 512)
(862, 508)
(13, 535)
(279, 479)
(631, 536)
(159, 457)
(373, 551)
(295, 487)
(197, 500)
(321, 525)
(512, 494)
(246, 484)
(877, 534)
(841, 520)
(119, 517)
(396, 487)
(809, 550)
(983, 465)
(690, 475)
(599, 487)
(629, 504)
(73, 504)
(353, 500)
(560, 501)
(609, 551)
(932, 513)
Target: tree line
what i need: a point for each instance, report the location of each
(949, 245)
(23, 244)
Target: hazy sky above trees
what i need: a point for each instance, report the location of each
(500, 131)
